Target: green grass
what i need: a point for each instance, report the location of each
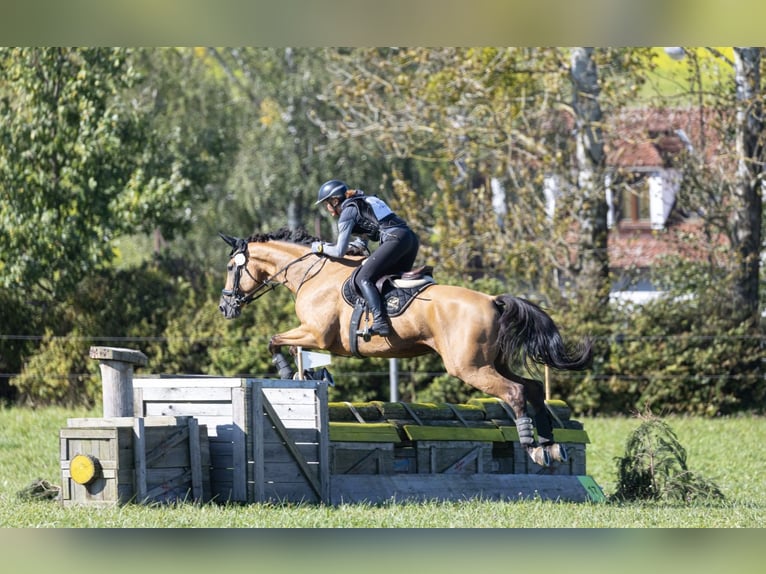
(726, 450)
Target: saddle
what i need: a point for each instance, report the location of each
(396, 291)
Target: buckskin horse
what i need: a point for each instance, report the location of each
(479, 337)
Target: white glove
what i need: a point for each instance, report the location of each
(317, 247)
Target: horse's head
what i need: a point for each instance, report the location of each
(242, 278)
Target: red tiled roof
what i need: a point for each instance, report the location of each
(643, 247)
(647, 137)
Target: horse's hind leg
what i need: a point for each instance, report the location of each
(512, 392)
(535, 394)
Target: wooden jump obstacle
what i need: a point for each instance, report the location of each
(272, 440)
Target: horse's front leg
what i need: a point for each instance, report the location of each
(298, 337)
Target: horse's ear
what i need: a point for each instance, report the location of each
(232, 241)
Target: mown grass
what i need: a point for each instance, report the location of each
(725, 450)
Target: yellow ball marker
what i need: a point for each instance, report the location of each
(83, 468)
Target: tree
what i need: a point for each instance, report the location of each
(747, 193)
(284, 156)
(82, 162)
(589, 207)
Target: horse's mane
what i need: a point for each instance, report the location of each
(284, 234)
(301, 237)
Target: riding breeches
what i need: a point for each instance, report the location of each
(395, 254)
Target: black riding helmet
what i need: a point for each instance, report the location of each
(332, 188)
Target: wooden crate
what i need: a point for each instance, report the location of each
(447, 457)
(154, 459)
(362, 448)
(268, 437)
(361, 458)
(290, 445)
(219, 403)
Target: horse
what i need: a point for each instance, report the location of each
(479, 337)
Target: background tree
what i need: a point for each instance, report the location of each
(589, 208)
(88, 154)
(284, 157)
(747, 196)
(97, 145)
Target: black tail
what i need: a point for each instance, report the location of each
(528, 335)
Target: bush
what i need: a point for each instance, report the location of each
(111, 305)
(654, 467)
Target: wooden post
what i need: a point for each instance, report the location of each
(117, 378)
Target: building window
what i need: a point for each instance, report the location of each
(632, 199)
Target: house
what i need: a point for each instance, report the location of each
(644, 175)
(645, 149)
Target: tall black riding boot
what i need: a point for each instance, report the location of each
(371, 295)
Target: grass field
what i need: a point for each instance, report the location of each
(726, 450)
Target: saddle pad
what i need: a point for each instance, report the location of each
(396, 299)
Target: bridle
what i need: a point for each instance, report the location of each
(265, 286)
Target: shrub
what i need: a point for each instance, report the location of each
(654, 467)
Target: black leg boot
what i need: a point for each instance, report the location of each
(379, 323)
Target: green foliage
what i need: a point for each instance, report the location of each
(654, 467)
(89, 152)
(66, 147)
(125, 304)
(683, 353)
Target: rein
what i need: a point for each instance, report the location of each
(270, 283)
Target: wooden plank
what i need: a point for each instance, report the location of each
(277, 423)
(472, 456)
(195, 458)
(416, 432)
(369, 432)
(570, 435)
(290, 492)
(208, 409)
(187, 394)
(138, 402)
(122, 422)
(376, 489)
(139, 454)
(170, 487)
(281, 384)
(239, 446)
(560, 435)
(146, 382)
(258, 421)
(276, 451)
(270, 434)
(453, 456)
(94, 433)
(324, 442)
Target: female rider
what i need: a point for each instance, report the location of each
(367, 216)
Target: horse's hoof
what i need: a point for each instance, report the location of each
(558, 452)
(539, 455)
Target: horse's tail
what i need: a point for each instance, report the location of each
(528, 334)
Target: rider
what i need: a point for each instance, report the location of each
(369, 217)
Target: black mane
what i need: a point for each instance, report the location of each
(284, 234)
